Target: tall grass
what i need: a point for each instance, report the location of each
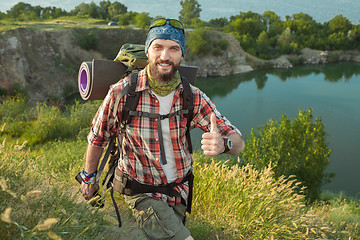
(244, 203)
(40, 198)
(35, 206)
(43, 123)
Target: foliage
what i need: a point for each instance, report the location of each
(292, 147)
(198, 42)
(339, 24)
(44, 123)
(14, 116)
(202, 42)
(25, 12)
(266, 36)
(247, 23)
(190, 11)
(88, 41)
(142, 20)
(218, 22)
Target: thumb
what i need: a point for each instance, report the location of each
(213, 126)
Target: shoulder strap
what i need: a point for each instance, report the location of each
(132, 100)
(111, 144)
(188, 104)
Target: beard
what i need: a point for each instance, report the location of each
(161, 76)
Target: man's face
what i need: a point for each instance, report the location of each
(164, 58)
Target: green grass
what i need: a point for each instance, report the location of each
(40, 198)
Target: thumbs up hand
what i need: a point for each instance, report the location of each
(212, 142)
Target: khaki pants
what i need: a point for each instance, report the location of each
(157, 218)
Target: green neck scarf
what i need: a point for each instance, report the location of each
(163, 89)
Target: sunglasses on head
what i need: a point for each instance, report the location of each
(172, 22)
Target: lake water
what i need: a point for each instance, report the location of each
(332, 91)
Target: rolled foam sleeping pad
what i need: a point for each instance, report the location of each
(95, 77)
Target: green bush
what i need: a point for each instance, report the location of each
(199, 42)
(49, 124)
(88, 41)
(223, 44)
(13, 116)
(202, 42)
(293, 147)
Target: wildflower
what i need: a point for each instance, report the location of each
(47, 224)
(5, 216)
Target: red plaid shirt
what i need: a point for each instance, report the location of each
(140, 155)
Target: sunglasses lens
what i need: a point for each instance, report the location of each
(173, 22)
(176, 24)
(159, 22)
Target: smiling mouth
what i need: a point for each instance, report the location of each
(165, 64)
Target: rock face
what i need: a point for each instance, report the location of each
(314, 56)
(46, 62)
(36, 60)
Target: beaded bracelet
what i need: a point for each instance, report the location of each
(88, 178)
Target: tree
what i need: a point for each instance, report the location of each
(247, 23)
(263, 45)
(218, 22)
(301, 23)
(19, 9)
(339, 24)
(126, 19)
(105, 6)
(339, 40)
(273, 23)
(116, 8)
(142, 20)
(190, 10)
(2, 15)
(286, 37)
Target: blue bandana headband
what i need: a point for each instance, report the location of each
(166, 32)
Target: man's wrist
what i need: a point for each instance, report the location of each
(227, 145)
(88, 178)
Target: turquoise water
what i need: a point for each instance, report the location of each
(332, 91)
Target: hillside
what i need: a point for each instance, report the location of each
(46, 62)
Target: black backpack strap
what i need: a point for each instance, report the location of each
(131, 101)
(188, 104)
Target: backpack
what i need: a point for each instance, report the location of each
(133, 56)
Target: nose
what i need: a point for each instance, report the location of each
(165, 55)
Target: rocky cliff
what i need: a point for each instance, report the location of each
(37, 61)
(45, 62)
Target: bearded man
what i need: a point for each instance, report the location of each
(157, 155)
